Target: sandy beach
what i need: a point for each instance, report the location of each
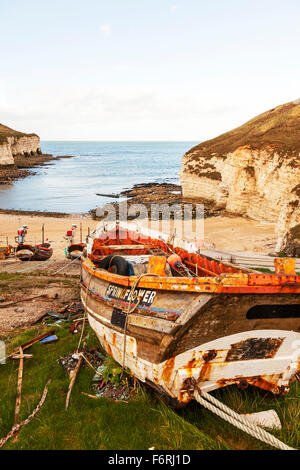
(225, 233)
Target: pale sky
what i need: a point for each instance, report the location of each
(145, 69)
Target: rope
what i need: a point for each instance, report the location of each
(129, 311)
(85, 310)
(66, 265)
(237, 420)
(90, 365)
(27, 420)
(33, 267)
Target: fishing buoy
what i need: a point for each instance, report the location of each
(174, 261)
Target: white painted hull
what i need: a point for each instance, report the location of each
(276, 372)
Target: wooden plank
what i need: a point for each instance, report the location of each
(156, 324)
(19, 391)
(198, 303)
(31, 342)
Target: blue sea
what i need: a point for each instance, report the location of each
(70, 185)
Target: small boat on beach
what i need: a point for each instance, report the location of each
(42, 252)
(175, 317)
(75, 250)
(5, 251)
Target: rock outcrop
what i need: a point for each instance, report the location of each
(253, 170)
(14, 143)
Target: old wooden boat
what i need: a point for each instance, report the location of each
(75, 250)
(41, 252)
(205, 322)
(5, 251)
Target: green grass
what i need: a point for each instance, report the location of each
(145, 421)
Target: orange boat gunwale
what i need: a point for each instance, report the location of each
(223, 283)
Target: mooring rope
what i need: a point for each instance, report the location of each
(66, 265)
(129, 311)
(85, 310)
(242, 423)
(27, 420)
(36, 265)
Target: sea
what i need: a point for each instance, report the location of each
(71, 185)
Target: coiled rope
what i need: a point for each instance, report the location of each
(240, 422)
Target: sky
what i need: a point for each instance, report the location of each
(145, 69)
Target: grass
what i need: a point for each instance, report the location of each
(145, 421)
(277, 128)
(8, 132)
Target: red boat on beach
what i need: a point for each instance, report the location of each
(40, 252)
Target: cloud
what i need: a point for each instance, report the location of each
(105, 29)
(173, 8)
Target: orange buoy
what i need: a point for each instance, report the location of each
(174, 260)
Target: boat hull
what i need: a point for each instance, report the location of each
(175, 335)
(75, 250)
(34, 252)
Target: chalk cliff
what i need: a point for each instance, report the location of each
(14, 143)
(253, 170)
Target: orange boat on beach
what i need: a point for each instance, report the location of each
(176, 318)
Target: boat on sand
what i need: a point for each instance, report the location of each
(176, 318)
(75, 250)
(41, 252)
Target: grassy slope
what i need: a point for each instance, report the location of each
(144, 422)
(279, 128)
(7, 132)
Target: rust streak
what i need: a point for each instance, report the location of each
(168, 369)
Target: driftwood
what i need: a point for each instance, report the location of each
(73, 375)
(27, 420)
(31, 342)
(46, 296)
(19, 391)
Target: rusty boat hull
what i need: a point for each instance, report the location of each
(232, 326)
(40, 252)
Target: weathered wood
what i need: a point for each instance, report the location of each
(170, 316)
(19, 392)
(73, 375)
(157, 324)
(32, 341)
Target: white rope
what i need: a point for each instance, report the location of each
(66, 266)
(237, 420)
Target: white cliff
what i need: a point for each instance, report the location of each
(13, 143)
(253, 170)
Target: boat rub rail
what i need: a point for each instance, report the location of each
(224, 283)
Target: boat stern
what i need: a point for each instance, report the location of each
(268, 359)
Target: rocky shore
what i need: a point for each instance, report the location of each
(20, 152)
(148, 194)
(23, 165)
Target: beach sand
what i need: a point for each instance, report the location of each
(224, 232)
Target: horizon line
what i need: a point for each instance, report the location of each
(93, 140)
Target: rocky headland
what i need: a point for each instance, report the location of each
(20, 152)
(253, 170)
(14, 143)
